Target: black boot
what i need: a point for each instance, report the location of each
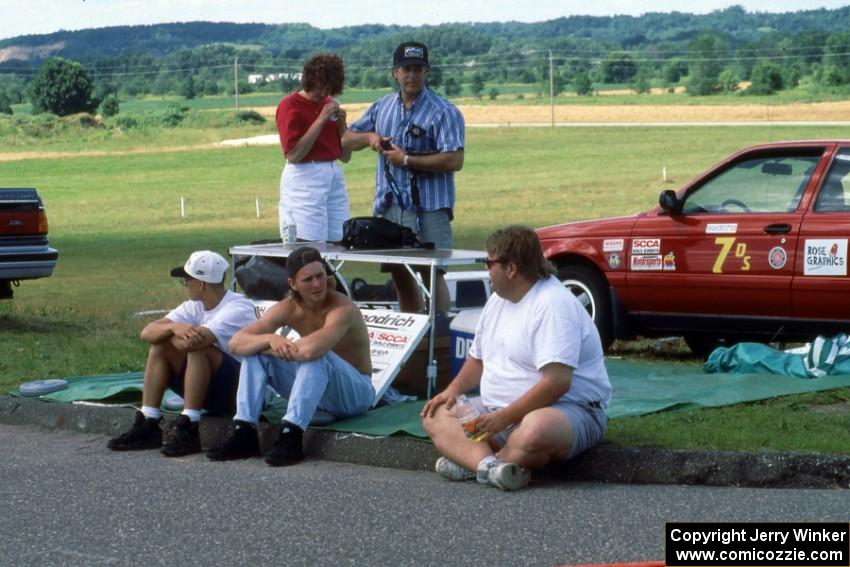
(144, 434)
(243, 443)
(185, 440)
(289, 447)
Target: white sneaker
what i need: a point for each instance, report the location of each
(452, 471)
(482, 475)
(509, 476)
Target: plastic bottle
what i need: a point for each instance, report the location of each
(466, 415)
(288, 230)
(334, 117)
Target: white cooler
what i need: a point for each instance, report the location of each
(461, 331)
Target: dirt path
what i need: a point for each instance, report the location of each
(492, 114)
(14, 156)
(816, 112)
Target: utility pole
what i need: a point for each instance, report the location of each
(236, 81)
(552, 87)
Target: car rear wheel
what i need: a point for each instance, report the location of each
(591, 289)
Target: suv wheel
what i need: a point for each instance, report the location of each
(591, 289)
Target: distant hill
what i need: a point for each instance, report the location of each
(707, 54)
(163, 39)
(735, 24)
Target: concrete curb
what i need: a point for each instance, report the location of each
(601, 464)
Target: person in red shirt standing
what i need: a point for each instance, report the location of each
(311, 123)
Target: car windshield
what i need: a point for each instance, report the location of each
(760, 185)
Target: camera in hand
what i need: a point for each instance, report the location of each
(386, 145)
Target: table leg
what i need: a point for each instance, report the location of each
(432, 336)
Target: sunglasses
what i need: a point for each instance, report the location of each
(490, 262)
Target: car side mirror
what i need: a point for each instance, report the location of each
(669, 202)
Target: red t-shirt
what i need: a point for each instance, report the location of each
(294, 116)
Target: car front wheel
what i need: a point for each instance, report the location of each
(591, 290)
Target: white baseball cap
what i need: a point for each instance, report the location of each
(204, 265)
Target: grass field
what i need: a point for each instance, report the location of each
(605, 95)
(114, 210)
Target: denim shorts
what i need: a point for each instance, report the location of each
(588, 422)
(434, 226)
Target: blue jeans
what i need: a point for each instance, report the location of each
(328, 383)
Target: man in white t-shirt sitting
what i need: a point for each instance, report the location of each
(189, 353)
(538, 360)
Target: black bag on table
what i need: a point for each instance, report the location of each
(378, 233)
(262, 277)
(266, 277)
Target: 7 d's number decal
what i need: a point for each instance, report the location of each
(726, 244)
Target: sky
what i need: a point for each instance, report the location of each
(24, 17)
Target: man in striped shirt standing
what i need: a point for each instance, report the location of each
(419, 137)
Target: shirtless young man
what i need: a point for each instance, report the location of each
(328, 368)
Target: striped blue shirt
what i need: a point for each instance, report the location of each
(431, 125)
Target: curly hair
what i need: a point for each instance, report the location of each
(520, 245)
(324, 70)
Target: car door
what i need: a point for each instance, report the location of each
(730, 249)
(821, 288)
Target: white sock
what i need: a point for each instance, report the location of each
(481, 474)
(193, 414)
(151, 412)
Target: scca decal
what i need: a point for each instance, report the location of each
(388, 338)
(646, 246)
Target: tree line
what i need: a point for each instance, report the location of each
(770, 51)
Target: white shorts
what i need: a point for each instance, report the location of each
(315, 193)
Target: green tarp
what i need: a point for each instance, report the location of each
(639, 388)
(126, 389)
(647, 387)
(825, 356)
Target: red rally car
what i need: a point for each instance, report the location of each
(755, 248)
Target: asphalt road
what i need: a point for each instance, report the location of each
(67, 500)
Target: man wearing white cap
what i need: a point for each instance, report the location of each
(189, 353)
